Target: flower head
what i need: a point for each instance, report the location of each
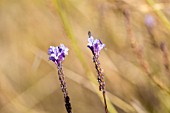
(95, 45)
(58, 53)
(149, 21)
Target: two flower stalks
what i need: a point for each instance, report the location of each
(57, 55)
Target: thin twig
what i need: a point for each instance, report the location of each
(64, 88)
(100, 79)
(164, 50)
(104, 97)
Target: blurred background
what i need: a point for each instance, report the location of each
(135, 60)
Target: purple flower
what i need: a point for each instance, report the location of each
(149, 21)
(58, 53)
(95, 45)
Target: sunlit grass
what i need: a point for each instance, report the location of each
(29, 82)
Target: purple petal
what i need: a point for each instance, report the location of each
(95, 45)
(58, 53)
(51, 50)
(90, 41)
(52, 58)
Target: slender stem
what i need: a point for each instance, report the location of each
(129, 28)
(164, 50)
(64, 88)
(151, 33)
(104, 97)
(100, 79)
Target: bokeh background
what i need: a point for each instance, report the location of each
(137, 78)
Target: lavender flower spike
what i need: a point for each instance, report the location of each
(58, 53)
(95, 45)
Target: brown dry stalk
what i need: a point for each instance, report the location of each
(64, 88)
(164, 50)
(142, 61)
(139, 52)
(100, 78)
(129, 29)
(137, 49)
(151, 33)
(62, 81)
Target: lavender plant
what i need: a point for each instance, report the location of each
(150, 25)
(57, 55)
(96, 46)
